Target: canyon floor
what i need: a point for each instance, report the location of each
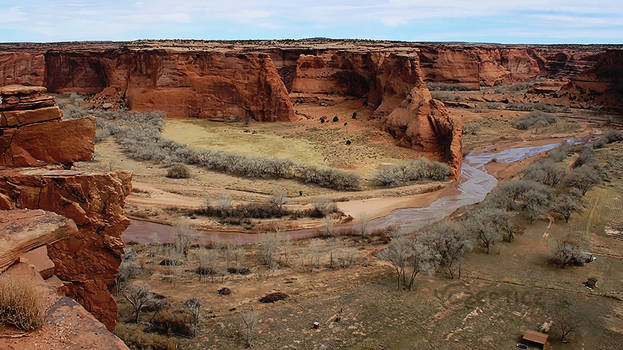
(338, 281)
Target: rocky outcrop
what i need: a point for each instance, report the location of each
(601, 85)
(25, 230)
(22, 67)
(89, 259)
(32, 132)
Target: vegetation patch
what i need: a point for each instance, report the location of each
(20, 306)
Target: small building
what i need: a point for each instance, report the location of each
(535, 338)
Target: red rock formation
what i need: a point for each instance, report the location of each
(202, 84)
(24, 230)
(601, 85)
(32, 133)
(22, 67)
(90, 259)
(473, 65)
(392, 84)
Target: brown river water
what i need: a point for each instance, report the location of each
(471, 187)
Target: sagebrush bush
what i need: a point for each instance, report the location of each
(402, 174)
(178, 171)
(20, 305)
(534, 119)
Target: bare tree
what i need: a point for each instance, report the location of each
(138, 295)
(566, 320)
(249, 321)
(314, 253)
(397, 254)
(410, 258)
(268, 245)
(279, 199)
(481, 227)
(564, 206)
(207, 262)
(569, 252)
(183, 237)
(328, 227)
(450, 241)
(193, 306)
(362, 223)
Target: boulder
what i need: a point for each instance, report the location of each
(24, 230)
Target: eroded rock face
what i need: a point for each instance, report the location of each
(204, 84)
(89, 259)
(601, 85)
(475, 65)
(32, 132)
(392, 84)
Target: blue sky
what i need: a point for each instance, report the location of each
(503, 21)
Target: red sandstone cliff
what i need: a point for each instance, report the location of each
(88, 260)
(601, 85)
(203, 84)
(392, 84)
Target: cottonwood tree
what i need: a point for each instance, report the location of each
(564, 206)
(422, 260)
(183, 238)
(328, 227)
(569, 252)
(138, 295)
(480, 225)
(397, 254)
(450, 241)
(566, 320)
(249, 322)
(269, 245)
(582, 178)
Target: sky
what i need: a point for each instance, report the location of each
(499, 21)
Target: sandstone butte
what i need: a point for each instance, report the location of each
(78, 217)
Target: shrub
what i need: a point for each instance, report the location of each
(513, 88)
(273, 297)
(20, 305)
(445, 96)
(533, 120)
(448, 87)
(174, 322)
(178, 171)
(402, 174)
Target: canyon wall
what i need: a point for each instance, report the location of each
(392, 84)
(601, 85)
(489, 65)
(203, 84)
(88, 260)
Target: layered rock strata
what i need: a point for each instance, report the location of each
(88, 260)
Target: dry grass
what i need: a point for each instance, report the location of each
(20, 306)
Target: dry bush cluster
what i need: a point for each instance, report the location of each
(20, 305)
(534, 119)
(403, 174)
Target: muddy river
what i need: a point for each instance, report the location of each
(471, 187)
